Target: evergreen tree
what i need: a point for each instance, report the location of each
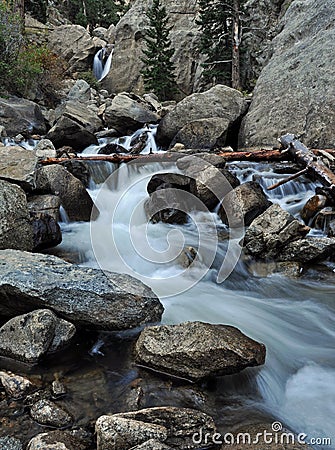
(158, 73)
(95, 13)
(219, 22)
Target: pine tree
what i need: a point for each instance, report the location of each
(220, 27)
(158, 73)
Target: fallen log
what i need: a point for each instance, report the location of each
(307, 159)
(286, 180)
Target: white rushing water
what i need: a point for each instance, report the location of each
(101, 64)
(293, 318)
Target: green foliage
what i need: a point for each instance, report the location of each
(37, 9)
(158, 73)
(90, 79)
(95, 13)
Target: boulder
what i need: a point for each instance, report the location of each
(168, 205)
(60, 440)
(243, 204)
(46, 412)
(270, 233)
(47, 232)
(152, 444)
(219, 102)
(18, 166)
(197, 350)
(47, 204)
(323, 219)
(303, 42)
(73, 196)
(129, 112)
(79, 169)
(45, 149)
(168, 180)
(125, 74)
(19, 115)
(84, 296)
(15, 228)
(173, 426)
(29, 337)
(15, 386)
(74, 44)
(78, 111)
(199, 161)
(10, 443)
(80, 91)
(312, 207)
(310, 249)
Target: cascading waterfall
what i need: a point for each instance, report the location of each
(293, 318)
(101, 64)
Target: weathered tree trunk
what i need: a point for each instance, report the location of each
(316, 169)
(235, 75)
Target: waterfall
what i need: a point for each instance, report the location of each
(101, 65)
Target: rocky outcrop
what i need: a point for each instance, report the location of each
(84, 296)
(18, 165)
(243, 204)
(127, 64)
(72, 193)
(29, 337)
(219, 350)
(19, 115)
(203, 117)
(169, 425)
(15, 228)
(48, 413)
(285, 89)
(60, 440)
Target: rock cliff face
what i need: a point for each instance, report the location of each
(295, 91)
(126, 67)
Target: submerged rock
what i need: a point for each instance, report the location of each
(15, 386)
(47, 412)
(173, 426)
(18, 165)
(84, 296)
(197, 350)
(16, 231)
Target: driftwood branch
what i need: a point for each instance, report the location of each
(286, 180)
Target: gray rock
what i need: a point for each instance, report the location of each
(10, 443)
(78, 111)
(152, 444)
(19, 115)
(15, 228)
(168, 180)
(303, 42)
(47, 204)
(175, 425)
(30, 336)
(312, 206)
(310, 249)
(14, 385)
(47, 232)
(72, 193)
(323, 218)
(186, 257)
(84, 296)
(129, 112)
(58, 389)
(270, 233)
(243, 204)
(60, 440)
(18, 165)
(192, 164)
(219, 102)
(265, 269)
(45, 149)
(196, 350)
(81, 91)
(48, 413)
(168, 205)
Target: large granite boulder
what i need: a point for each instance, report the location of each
(310, 249)
(84, 296)
(15, 228)
(298, 81)
(19, 115)
(172, 426)
(30, 336)
(220, 103)
(60, 440)
(46, 204)
(129, 43)
(18, 165)
(197, 350)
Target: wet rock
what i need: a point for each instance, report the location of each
(324, 218)
(48, 413)
(67, 131)
(60, 440)
(243, 204)
(19, 115)
(264, 269)
(152, 444)
(15, 228)
(58, 389)
(308, 250)
(129, 112)
(219, 102)
(197, 350)
(10, 443)
(78, 169)
(30, 336)
(168, 206)
(45, 149)
(168, 180)
(175, 427)
(270, 233)
(14, 385)
(18, 166)
(331, 229)
(47, 204)
(111, 148)
(84, 296)
(192, 164)
(313, 205)
(72, 193)
(47, 232)
(187, 256)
